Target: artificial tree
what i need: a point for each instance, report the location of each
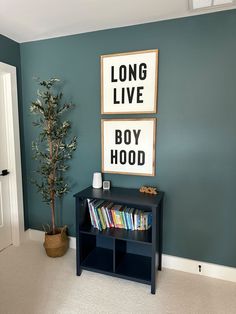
(51, 149)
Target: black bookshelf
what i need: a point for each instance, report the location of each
(134, 255)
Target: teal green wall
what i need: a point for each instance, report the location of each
(196, 136)
(9, 52)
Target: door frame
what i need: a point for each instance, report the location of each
(14, 155)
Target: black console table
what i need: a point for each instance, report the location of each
(134, 255)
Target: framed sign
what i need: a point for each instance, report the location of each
(128, 146)
(129, 82)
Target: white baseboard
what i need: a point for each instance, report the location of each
(168, 261)
(192, 266)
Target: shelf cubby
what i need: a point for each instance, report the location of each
(95, 253)
(131, 265)
(99, 259)
(136, 267)
(121, 234)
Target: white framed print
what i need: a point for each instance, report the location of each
(129, 146)
(129, 82)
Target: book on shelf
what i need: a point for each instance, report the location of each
(105, 214)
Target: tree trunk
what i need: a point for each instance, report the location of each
(53, 212)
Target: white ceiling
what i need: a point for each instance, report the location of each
(28, 20)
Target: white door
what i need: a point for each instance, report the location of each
(5, 210)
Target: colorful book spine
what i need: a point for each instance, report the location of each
(95, 224)
(124, 224)
(149, 220)
(105, 215)
(99, 226)
(101, 218)
(117, 215)
(132, 218)
(119, 223)
(127, 217)
(114, 217)
(142, 221)
(136, 219)
(91, 216)
(110, 218)
(96, 204)
(139, 220)
(91, 213)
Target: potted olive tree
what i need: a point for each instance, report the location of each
(52, 150)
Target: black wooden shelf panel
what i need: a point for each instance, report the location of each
(112, 274)
(121, 234)
(122, 195)
(118, 252)
(100, 259)
(135, 266)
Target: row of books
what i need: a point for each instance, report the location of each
(105, 214)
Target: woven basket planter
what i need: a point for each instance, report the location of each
(57, 244)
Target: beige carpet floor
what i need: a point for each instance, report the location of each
(32, 283)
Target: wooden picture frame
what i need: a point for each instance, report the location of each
(129, 146)
(129, 82)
